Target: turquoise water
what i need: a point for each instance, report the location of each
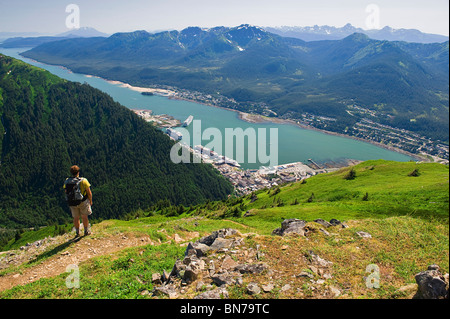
(294, 143)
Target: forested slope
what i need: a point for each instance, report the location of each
(48, 124)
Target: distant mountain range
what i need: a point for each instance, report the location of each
(405, 84)
(84, 32)
(33, 41)
(317, 33)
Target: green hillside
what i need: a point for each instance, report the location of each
(405, 212)
(381, 189)
(48, 124)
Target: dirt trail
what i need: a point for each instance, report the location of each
(61, 251)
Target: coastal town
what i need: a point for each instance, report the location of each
(245, 181)
(248, 181)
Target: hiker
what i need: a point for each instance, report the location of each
(79, 199)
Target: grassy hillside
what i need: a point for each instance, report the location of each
(407, 217)
(388, 187)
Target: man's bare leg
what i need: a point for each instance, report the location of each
(76, 224)
(86, 224)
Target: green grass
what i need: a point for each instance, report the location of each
(125, 276)
(35, 235)
(407, 217)
(389, 188)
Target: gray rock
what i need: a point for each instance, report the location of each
(306, 274)
(291, 226)
(218, 293)
(188, 259)
(178, 267)
(221, 243)
(200, 286)
(268, 288)
(363, 234)
(156, 279)
(253, 289)
(295, 228)
(278, 232)
(208, 240)
(221, 233)
(168, 291)
(335, 292)
(318, 261)
(288, 223)
(434, 267)
(251, 268)
(165, 276)
(201, 249)
(190, 250)
(223, 279)
(285, 288)
(335, 222)
(323, 222)
(431, 284)
(190, 275)
(228, 263)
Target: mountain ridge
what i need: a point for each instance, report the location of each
(254, 67)
(325, 32)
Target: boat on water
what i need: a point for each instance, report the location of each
(177, 136)
(188, 121)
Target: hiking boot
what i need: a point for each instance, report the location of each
(87, 232)
(77, 233)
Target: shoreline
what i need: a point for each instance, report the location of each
(256, 118)
(139, 89)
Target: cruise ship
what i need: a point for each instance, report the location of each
(188, 121)
(177, 136)
(206, 153)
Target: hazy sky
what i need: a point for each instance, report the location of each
(49, 16)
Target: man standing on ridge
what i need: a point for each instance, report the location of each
(79, 199)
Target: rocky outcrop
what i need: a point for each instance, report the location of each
(300, 227)
(432, 284)
(209, 264)
(291, 226)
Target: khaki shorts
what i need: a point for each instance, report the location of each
(83, 209)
